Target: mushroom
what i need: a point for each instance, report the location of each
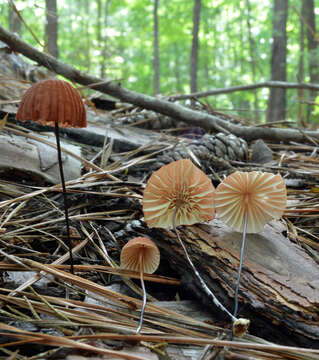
(140, 254)
(55, 103)
(246, 201)
(178, 191)
(180, 194)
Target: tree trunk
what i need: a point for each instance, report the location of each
(87, 4)
(308, 15)
(104, 39)
(14, 21)
(156, 52)
(51, 28)
(277, 100)
(195, 45)
(98, 24)
(253, 56)
(207, 50)
(177, 68)
(301, 75)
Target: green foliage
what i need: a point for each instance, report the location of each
(123, 46)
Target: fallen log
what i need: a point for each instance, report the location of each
(279, 289)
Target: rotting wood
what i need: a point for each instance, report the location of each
(33, 159)
(279, 290)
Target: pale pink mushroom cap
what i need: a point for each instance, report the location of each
(179, 184)
(140, 248)
(264, 196)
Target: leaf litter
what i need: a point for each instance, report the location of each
(32, 239)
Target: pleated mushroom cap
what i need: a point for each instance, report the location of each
(264, 196)
(140, 248)
(50, 101)
(180, 185)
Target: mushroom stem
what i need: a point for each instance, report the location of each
(144, 294)
(240, 264)
(66, 213)
(202, 282)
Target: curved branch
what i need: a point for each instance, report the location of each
(179, 112)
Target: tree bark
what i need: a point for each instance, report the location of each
(51, 28)
(156, 60)
(277, 100)
(195, 45)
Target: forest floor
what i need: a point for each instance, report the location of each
(95, 311)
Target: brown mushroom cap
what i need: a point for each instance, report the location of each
(50, 101)
(262, 195)
(144, 247)
(182, 186)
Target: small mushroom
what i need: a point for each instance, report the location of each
(246, 201)
(178, 190)
(55, 103)
(262, 196)
(140, 254)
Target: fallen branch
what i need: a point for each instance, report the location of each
(228, 90)
(179, 112)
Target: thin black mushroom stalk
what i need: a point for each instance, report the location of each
(55, 103)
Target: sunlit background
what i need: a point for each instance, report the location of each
(114, 39)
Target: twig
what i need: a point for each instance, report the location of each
(231, 89)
